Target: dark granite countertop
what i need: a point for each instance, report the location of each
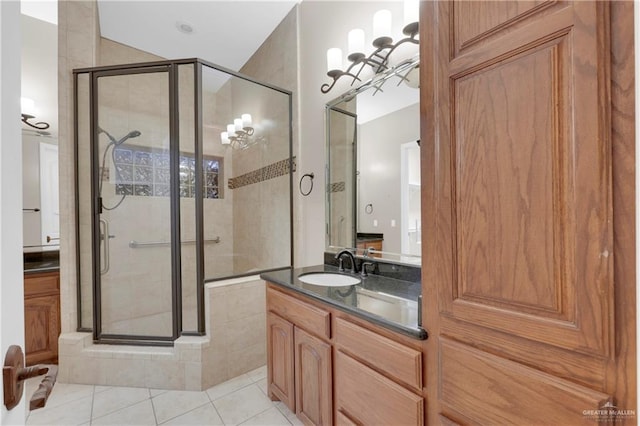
(37, 263)
(388, 302)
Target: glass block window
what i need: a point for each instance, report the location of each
(145, 172)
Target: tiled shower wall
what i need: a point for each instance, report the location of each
(266, 235)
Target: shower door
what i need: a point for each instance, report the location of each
(133, 158)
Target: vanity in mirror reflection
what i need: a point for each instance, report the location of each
(373, 169)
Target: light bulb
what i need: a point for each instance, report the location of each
(411, 11)
(382, 24)
(356, 41)
(246, 120)
(237, 124)
(334, 59)
(224, 138)
(27, 106)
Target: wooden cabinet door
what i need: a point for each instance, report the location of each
(518, 252)
(313, 379)
(41, 317)
(42, 328)
(280, 372)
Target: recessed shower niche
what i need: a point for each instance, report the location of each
(171, 196)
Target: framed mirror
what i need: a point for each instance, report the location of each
(373, 168)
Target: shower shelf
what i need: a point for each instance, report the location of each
(136, 244)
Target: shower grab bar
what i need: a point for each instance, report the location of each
(136, 244)
(104, 236)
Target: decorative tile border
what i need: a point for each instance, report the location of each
(277, 169)
(337, 187)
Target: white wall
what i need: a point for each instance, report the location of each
(323, 25)
(379, 144)
(11, 281)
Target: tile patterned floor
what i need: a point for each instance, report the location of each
(239, 401)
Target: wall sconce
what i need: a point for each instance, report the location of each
(238, 134)
(28, 107)
(382, 42)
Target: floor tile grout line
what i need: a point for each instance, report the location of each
(93, 396)
(261, 412)
(123, 407)
(283, 413)
(153, 407)
(217, 412)
(186, 412)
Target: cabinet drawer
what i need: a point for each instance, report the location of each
(398, 361)
(368, 398)
(343, 420)
(35, 285)
(308, 317)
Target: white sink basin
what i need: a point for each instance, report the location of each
(329, 279)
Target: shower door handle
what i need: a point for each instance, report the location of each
(105, 237)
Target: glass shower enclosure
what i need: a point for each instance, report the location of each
(172, 192)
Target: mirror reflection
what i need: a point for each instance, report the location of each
(373, 169)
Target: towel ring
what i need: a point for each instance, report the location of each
(368, 209)
(310, 176)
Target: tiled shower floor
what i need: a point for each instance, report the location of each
(242, 400)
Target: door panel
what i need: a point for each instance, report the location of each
(280, 360)
(134, 180)
(473, 25)
(517, 201)
(517, 170)
(313, 379)
(512, 393)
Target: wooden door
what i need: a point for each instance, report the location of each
(313, 379)
(280, 371)
(526, 319)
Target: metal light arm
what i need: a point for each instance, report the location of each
(378, 60)
(40, 125)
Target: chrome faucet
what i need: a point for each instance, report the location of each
(363, 268)
(354, 267)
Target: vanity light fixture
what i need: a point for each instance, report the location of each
(28, 112)
(239, 134)
(382, 42)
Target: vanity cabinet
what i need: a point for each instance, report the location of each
(329, 367)
(299, 367)
(280, 359)
(378, 380)
(42, 317)
(313, 379)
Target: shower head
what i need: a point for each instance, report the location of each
(131, 134)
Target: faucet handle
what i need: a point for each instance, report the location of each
(340, 264)
(363, 271)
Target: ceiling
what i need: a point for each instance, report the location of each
(226, 33)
